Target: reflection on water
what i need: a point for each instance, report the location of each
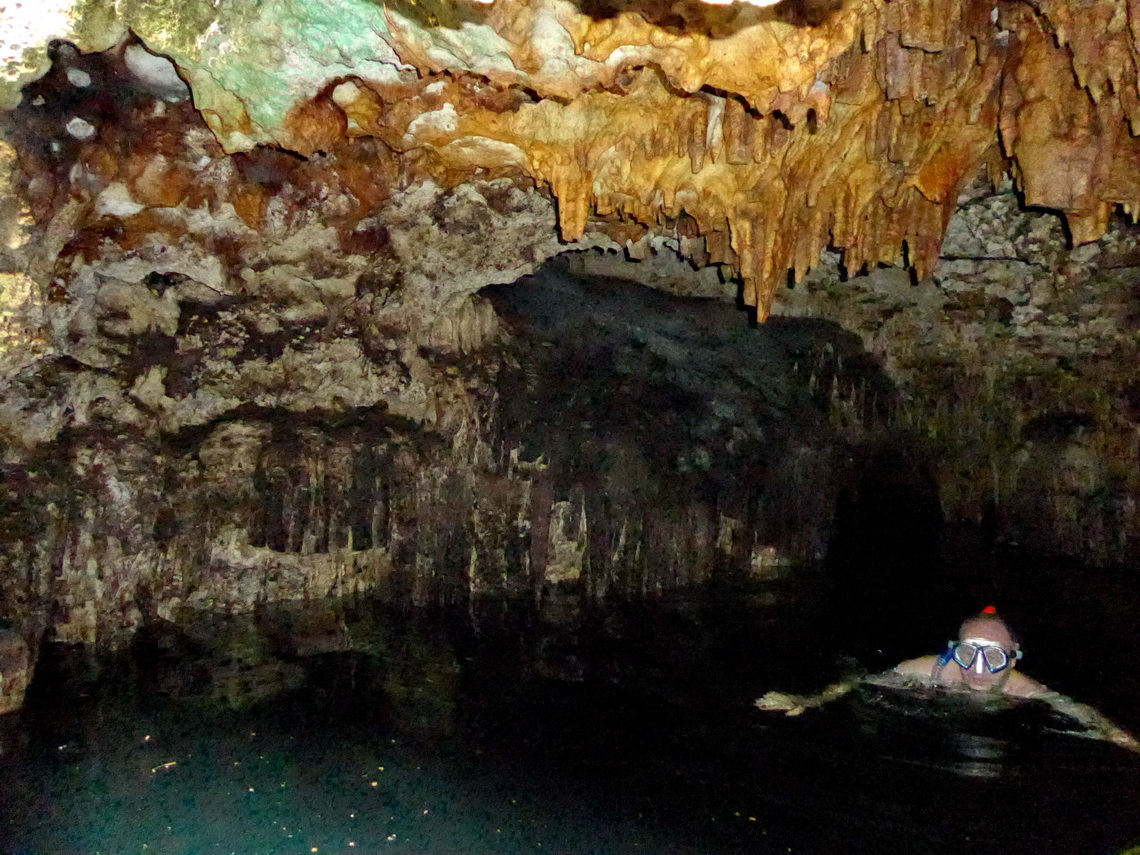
(982, 756)
(956, 732)
(616, 728)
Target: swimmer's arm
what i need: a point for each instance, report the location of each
(904, 674)
(1098, 723)
(922, 667)
(796, 704)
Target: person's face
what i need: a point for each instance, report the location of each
(986, 633)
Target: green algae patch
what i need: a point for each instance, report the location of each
(249, 63)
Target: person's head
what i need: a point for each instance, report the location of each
(986, 651)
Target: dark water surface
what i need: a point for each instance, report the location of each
(621, 728)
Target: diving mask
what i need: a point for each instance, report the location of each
(983, 653)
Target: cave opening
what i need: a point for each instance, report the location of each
(668, 413)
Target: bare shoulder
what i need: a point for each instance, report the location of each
(1021, 686)
(923, 666)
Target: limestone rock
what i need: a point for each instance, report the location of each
(780, 131)
(245, 356)
(15, 670)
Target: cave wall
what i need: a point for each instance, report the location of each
(232, 379)
(1015, 364)
(233, 372)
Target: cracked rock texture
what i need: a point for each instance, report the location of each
(773, 132)
(1016, 361)
(249, 351)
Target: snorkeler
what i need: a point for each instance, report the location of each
(982, 659)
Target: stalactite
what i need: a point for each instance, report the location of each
(602, 110)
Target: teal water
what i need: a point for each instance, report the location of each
(613, 728)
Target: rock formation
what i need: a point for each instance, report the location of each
(777, 131)
(245, 351)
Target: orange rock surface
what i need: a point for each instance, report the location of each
(781, 131)
(770, 132)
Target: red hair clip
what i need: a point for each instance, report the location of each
(989, 610)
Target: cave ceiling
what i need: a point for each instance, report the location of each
(770, 131)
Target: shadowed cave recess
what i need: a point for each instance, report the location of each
(349, 355)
